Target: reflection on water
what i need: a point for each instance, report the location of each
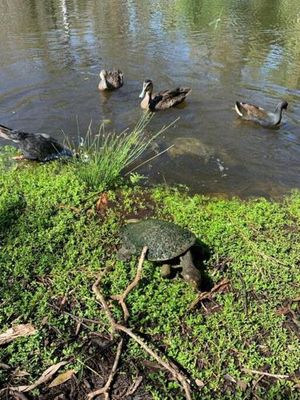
(225, 50)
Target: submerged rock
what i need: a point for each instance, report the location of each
(191, 146)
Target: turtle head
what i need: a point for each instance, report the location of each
(124, 254)
(189, 272)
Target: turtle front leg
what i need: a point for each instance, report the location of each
(166, 271)
(189, 272)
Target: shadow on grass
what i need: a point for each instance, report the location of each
(201, 253)
(10, 211)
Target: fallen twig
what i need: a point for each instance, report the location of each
(105, 389)
(170, 367)
(132, 389)
(220, 287)
(166, 364)
(17, 331)
(254, 371)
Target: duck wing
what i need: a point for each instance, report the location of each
(42, 147)
(35, 146)
(250, 111)
(115, 78)
(169, 98)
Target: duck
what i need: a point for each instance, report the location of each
(268, 119)
(110, 80)
(35, 146)
(162, 100)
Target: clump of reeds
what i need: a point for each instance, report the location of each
(102, 157)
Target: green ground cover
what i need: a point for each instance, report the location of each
(54, 243)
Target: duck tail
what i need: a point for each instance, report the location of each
(5, 128)
(185, 91)
(5, 132)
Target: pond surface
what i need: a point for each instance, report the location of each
(225, 50)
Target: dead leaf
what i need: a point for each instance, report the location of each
(102, 203)
(62, 378)
(229, 378)
(242, 385)
(17, 331)
(4, 366)
(20, 373)
(283, 310)
(46, 375)
(199, 383)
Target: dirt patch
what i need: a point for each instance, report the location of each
(140, 206)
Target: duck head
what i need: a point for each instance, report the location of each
(283, 105)
(147, 88)
(103, 74)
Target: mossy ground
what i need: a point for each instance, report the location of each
(53, 244)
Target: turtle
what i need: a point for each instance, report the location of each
(165, 241)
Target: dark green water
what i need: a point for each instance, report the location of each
(52, 51)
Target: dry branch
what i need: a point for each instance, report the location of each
(170, 367)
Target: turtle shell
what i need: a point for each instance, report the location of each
(165, 240)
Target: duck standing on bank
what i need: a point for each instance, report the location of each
(35, 146)
(162, 100)
(110, 80)
(268, 119)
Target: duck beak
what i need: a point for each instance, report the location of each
(142, 95)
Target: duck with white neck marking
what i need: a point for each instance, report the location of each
(268, 119)
(162, 100)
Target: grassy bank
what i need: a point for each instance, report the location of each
(54, 243)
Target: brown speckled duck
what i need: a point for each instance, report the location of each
(162, 100)
(250, 112)
(35, 146)
(110, 80)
